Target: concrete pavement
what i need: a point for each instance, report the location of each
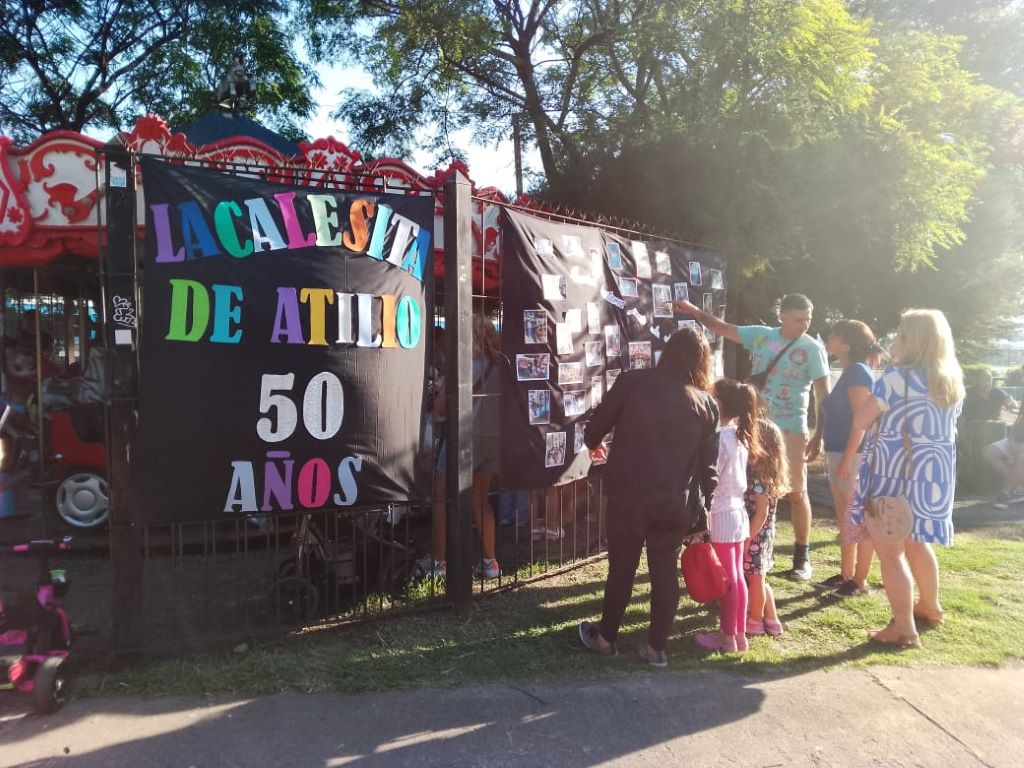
(877, 716)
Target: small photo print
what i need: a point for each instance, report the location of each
(695, 278)
(535, 326)
(574, 402)
(570, 373)
(609, 378)
(639, 355)
(594, 353)
(612, 345)
(572, 246)
(574, 319)
(681, 291)
(663, 262)
(661, 295)
(543, 247)
(614, 254)
(593, 318)
(657, 356)
(539, 401)
(596, 264)
(642, 260)
(533, 367)
(717, 283)
(577, 438)
(709, 303)
(554, 455)
(563, 339)
(554, 287)
(710, 335)
(628, 288)
(687, 324)
(596, 390)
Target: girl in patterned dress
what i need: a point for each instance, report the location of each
(921, 396)
(727, 520)
(767, 482)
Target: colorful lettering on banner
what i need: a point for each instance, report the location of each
(284, 344)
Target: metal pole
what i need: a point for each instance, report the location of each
(121, 377)
(458, 282)
(41, 431)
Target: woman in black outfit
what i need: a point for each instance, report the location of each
(661, 471)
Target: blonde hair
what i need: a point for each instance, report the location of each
(927, 342)
(771, 466)
(486, 343)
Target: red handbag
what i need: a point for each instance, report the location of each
(703, 572)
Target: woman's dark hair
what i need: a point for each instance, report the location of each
(688, 357)
(795, 301)
(857, 336)
(739, 401)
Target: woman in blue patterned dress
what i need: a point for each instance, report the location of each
(922, 395)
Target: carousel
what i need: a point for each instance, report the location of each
(53, 457)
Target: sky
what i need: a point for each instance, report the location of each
(489, 165)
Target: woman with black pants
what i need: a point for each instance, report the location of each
(665, 451)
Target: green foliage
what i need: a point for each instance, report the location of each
(74, 65)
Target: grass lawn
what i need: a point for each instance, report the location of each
(531, 633)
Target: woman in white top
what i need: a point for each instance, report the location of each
(728, 523)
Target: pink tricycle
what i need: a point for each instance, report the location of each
(35, 634)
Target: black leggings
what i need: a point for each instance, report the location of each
(630, 526)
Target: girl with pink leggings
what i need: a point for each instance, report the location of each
(728, 523)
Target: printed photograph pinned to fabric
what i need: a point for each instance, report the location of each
(554, 454)
(628, 288)
(535, 326)
(687, 324)
(543, 247)
(661, 296)
(563, 339)
(639, 355)
(681, 291)
(663, 262)
(642, 260)
(695, 274)
(579, 428)
(709, 303)
(614, 254)
(570, 373)
(596, 390)
(554, 287)
(533, 367)
(572, 246)
(574, 319)
(717, 282)
(593, 353)
(593, 318)
(612, 343)
(574, 402)
(610, 376)
(539, 401)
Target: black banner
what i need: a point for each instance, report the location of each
(580, 306)
(283, 345)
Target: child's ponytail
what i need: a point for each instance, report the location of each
(740, 401)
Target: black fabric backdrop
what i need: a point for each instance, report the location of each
(534, 247)
(201, 401)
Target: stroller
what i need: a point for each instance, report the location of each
(35, 633)
(339, 559)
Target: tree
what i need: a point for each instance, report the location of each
(74, 64)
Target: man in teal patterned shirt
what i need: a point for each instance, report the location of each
(802, 364)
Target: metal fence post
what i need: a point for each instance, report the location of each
(458, 286)
(121, 335)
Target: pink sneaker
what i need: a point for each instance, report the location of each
(741, 642)
(754, 627)
(714, 641)
(773, 627)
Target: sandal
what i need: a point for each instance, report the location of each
(899, 641)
